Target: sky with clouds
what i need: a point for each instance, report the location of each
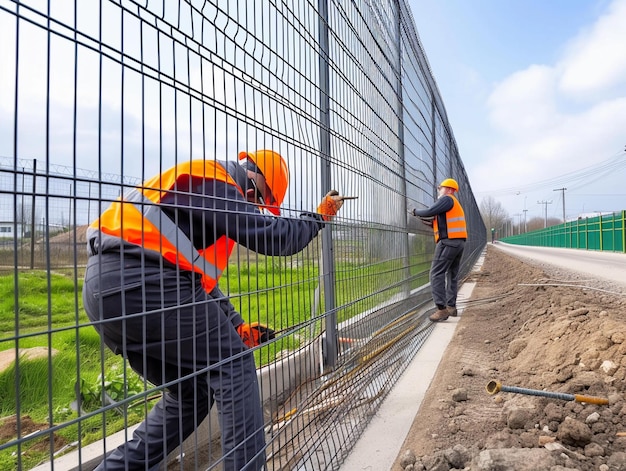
(535, 92)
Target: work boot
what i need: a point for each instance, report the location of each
(439, 315)
(452, 311)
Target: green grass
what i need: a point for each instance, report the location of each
(47, 316)
(34, 287)
(281, 296)
(49, 313)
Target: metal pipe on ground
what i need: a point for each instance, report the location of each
(494, 387)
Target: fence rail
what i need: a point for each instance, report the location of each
(97, 97)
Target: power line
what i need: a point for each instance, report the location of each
(575, 179)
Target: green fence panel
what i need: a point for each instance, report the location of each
(604, 232)
(607, 233)
(621, 228)
(593, 234)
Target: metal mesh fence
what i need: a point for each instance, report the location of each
(98, 97)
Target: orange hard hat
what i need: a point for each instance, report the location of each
(275, 171)
(450, 183)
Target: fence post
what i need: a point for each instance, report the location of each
(400, 111)
(32, 217)
(623, 231)
(600, 229)
(331, 339)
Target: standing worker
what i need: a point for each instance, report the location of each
(447, 219)
(150, 289)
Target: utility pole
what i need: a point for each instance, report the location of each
(545, 217)
(525, 226)
(562, 190)
(519, 223)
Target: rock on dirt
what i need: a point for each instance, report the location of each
(561, 339)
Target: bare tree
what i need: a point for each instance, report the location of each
(494, 215)
(535, 224)
(538, 223)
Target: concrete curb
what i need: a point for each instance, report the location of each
(381, 443)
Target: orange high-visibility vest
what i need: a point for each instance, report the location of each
(137, 219)
(455, 222)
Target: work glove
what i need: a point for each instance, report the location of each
(331, 204)
(255, 334)
(426, 220)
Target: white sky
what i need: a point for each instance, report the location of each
(535, 91)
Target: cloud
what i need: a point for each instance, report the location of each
(524, 102)
(552, 119)
(595, 61)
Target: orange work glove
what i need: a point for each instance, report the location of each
(330, 205)
(255, 334)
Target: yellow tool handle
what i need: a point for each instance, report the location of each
(591, 400)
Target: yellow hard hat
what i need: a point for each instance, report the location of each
(450, 183)
(275, 171)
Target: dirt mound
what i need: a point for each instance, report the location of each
(565, 339)
(7, 357)
(8, 431)
(78, 235)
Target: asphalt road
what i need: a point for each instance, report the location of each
(610, 266)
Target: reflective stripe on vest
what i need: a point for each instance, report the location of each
(455, 222)
(137, 219)
(171, 232)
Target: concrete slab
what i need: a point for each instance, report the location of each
(380, 444)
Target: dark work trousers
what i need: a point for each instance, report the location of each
(444, 271)
(170, 330)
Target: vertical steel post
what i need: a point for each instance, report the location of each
(32, 219)
(434, 147)
(624, 231)
(623, 215)
(328, 266)
(400, 112)
(600, 231)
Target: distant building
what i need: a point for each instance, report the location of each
(8, 228)
(594, 214)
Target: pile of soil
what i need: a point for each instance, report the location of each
(551, 337)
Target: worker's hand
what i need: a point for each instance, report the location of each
(427, 221)
(412, 212)
(331, 204)
(255, 334)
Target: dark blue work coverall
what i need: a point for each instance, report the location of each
(444, 270)
(173, 332)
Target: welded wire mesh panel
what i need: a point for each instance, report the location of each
(146, 211)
